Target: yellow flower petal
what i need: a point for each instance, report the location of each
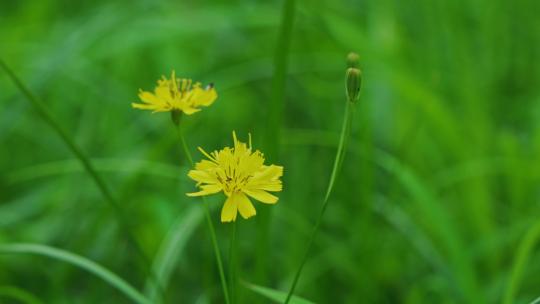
(189, 110)
(203, 176)
(261, 195)
(207, 190)
(203, 97)
(143, 106)
(229, 211)
(176, 94)
(245, 207)
(268, 173)
(267, 179)
(205, 165)
(273, 186)
(149, 98)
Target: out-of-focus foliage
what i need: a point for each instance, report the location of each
(440, 183)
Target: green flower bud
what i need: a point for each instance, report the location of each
(352, 60)
(353, 83)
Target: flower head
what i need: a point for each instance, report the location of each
(176, 94)
(239, 173)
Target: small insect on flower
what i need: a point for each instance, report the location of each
(176, 94)
(239, 173)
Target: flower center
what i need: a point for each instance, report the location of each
(179, 87)
(232, 180)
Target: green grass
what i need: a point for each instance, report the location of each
(437, 200)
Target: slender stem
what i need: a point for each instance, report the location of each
(273, 127)
(88, 166)
(185, 147)
(340, 154)
(233, 277)
(209, 222)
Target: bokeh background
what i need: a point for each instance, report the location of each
(438, 200)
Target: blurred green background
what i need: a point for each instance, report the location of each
(438, 199)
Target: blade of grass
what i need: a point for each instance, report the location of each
(427, 204)
(277, 105)
(171, 248)
(79, 261)
(85, 161)
(18, 294)
(402, 222)
(101, 165)
(275, 295)
(536, 301)
(523, 254)
(424, 200)
(274, 124)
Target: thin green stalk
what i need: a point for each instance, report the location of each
(233, 277)
(279, 80)
(209, 222)
(340, 154)
(85, 161)
(274, 123)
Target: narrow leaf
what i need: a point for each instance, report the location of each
(275, 295)
(79, 261)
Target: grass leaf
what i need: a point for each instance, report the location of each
(275, 295)
(171, 249)
(79, 261)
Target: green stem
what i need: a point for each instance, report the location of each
(233, 278)
(209, 222)
(273, 127)
(340, 154)
(85, 161)
(524, 251)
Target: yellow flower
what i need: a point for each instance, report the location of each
(239, 173)
(176, 94)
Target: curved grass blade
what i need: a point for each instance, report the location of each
(536, 301)
(401, 221)
(171, 248)
(18, 294)
(123, 220)
(524, 251)
(275, 295)
(427, 204)
(67, 166)
(79, 261)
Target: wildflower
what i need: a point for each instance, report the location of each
(176, 95)
(239, 173)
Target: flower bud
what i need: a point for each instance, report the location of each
(352, 60)
(353, 82)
